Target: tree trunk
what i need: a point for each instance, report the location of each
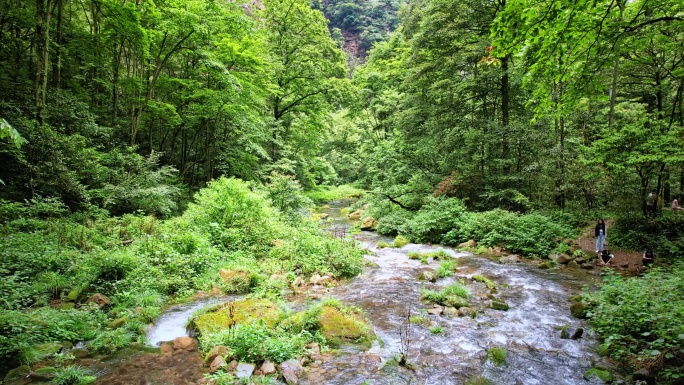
(57, 64)
(43, 11)
(505, 113)
(616, 68)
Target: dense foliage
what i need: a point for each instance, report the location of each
(640, 320)
(140, 262)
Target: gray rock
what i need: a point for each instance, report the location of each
(437, 310)
(573, 265)
(291, 370)
(509, 259)
(428, 276)
(244, 370)
(471, 244)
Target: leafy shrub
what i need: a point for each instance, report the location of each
(285, 193)
(323, 194)
(665, 235)
(639, 319)
(437, 217)
(393, 223)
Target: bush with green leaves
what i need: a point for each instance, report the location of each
(664, 234)
(437, 217)
(639, 319)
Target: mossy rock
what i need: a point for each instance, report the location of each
(601, 374)
(236, 281)
(497, 356)
(575, 298)
(578, 310)
(488, 282)
(74, 294)
(18, 375)
(546, 265)
(498, 304)
(45, 374)
(238, 312)
(119, 322)
(339, 327)
(455, 301)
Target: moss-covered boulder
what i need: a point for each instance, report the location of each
(578, 310)
(18, 375)
(356, 214)
(455, 301)
(238, 312)
(344, 326)
(235, 281)
(498, 304)
(369, 223)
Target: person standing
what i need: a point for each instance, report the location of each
(600, 233)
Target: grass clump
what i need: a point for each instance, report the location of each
(400, 241)
(497, 356)
(436, 330)
(427, 256)
(420, 319)
(72, 375)
(446, 269)
(451, 295)
(383, 245)
(478, 380)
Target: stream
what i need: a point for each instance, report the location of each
(529, 330)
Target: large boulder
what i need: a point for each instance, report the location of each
(185, 343)
(268, 368)
(509, 259)
(499, 304)
(244, 370)
(242, 311)
(291, 370)
(356, 214)
(369, 223)
(471, 244)
(563, 259)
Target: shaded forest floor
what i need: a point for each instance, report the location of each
(625, 260)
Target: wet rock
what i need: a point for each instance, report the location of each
(268, 368)
(509, 259)
(545, 265)
(563, 259)
(587, 266)
(217, 351)
(491, 285)
(437, 310)
(471, 244)
(244, 370)
(100, 300)
(237, 280)
(455, 301)
(499, 304)
(466, 312)
(575, 298)
(565, 334)
(318, 280)
(578, 310)
(217, 363)
(573, 265)
(185, 343)
(451, 311)
(314, 279)
(314, 349)
(242, 311)
(369, 223)
(429, 276)
(291, 370)
(577, 334)
(356, 214)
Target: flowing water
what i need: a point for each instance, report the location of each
(529, 330)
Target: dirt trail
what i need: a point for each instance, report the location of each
(625, 260)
